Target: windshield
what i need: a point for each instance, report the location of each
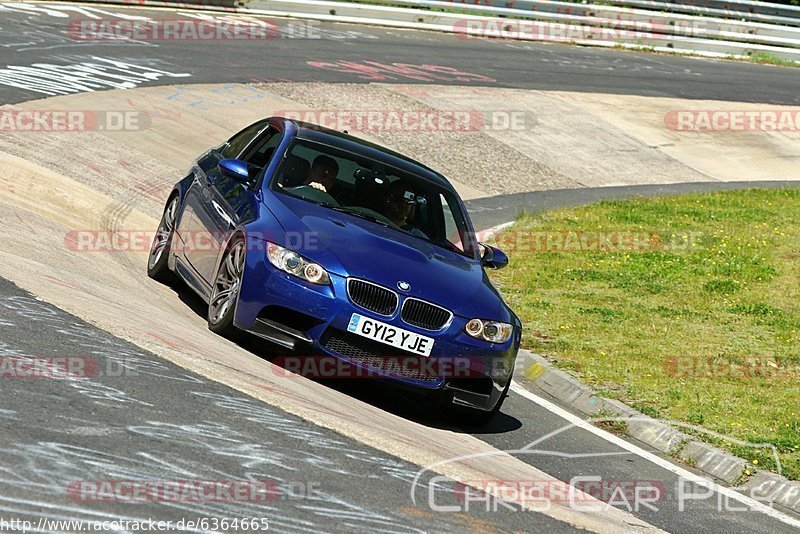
(372, 190)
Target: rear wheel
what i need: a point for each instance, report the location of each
(158, 260)
(225, 291)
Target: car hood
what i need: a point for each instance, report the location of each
(354, 247)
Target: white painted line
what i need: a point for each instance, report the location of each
(489, 233)
(751, 503)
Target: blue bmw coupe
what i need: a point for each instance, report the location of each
(333, 247)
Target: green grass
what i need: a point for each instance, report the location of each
(718, 277)
(767, 59)
(760, 58)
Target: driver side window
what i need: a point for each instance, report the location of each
(262, 150)
(238, 142)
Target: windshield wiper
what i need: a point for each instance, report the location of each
(351, 211)
(446, 244)
(451, 246)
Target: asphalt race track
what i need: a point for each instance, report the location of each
(68, 428)
(144, 418)
(40, 39)
(494, 211)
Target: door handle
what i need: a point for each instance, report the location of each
(222, 213)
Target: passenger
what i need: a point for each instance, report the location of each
(400, 205)
(295, 171)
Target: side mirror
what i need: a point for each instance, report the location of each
(236, 169)
(493, 258)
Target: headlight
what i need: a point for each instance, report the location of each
(294, 264)
(493, 331)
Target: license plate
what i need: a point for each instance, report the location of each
(390, 335)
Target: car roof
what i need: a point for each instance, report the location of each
(343, 141)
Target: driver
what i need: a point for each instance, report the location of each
(322, 174)
(400, 204)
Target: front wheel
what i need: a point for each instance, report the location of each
(225, 292)
(158, 259)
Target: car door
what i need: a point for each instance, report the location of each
(200, 217)
(228, 202)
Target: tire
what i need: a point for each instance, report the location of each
(158, 259)
(225, 291)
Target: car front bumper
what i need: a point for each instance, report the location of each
(312, 321)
